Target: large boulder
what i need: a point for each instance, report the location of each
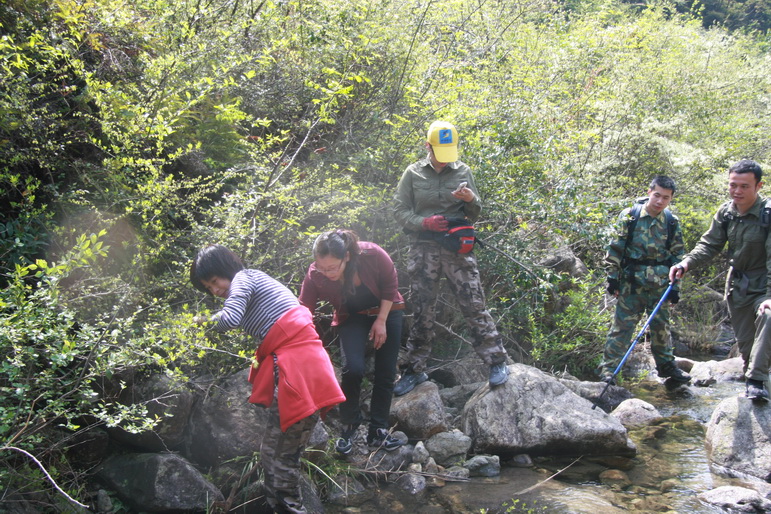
(420, 413)
(170, 401)
(533, 413)
(159, 482)
(711, 372)
(224, 425)
(738, 440)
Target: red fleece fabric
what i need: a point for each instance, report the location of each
(306, 378)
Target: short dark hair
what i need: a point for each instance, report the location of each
(747, 166)
(663, 182)
(214, 261)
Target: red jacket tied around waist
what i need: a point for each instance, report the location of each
(306, 378)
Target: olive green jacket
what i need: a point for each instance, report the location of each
(749, 249)
(647, 246)
(422, 192)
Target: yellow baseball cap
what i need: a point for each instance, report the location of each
(443, 139)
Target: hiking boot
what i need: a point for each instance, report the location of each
(344, 445)
(498, 374)
(289, 504)
(756, 390)
(382, 439)
(671, 371)
(408, 382)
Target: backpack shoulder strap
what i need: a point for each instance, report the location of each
(671, 226)
(634, 215)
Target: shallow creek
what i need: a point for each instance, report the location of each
(670, 469)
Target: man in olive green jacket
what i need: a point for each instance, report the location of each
(743, 224)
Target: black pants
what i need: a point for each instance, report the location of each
(353, 341)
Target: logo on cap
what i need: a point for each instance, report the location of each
(445, 136)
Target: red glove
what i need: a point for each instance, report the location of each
(435, 223)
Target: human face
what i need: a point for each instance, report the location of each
(438, 166)
(743, 190)
(658, 200)
(331, 267)
(217, 286)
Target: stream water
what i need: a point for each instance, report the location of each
(669, 471)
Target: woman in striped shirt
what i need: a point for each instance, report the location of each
(293, 376)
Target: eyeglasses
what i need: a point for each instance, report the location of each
(333, 269)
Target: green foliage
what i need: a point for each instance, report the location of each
(567, 333)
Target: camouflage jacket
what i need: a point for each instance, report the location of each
(748, 246)
(646, 261)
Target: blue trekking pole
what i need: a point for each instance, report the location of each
(634, 343)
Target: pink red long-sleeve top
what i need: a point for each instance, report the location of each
(376, 271)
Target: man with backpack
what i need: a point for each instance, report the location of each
(648, 241)
(743, 223)
(433, 195)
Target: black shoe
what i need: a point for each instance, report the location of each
(382, 439)
(344, 445)
(756, 390)
(408, 382)
(671, 371)
(289, 504)
(498, 374)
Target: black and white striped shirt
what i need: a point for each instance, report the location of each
(254, 303)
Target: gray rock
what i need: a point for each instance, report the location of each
(171, 401)
(448, 448)
(534, 413)
(419, 413)
(738, 440)
(591, 391)
(154, 482)
(635, 412)
(412, 483)
(467, 370)
(710, 372)
(735, 498)
(483, 466)
(420, 454)
(457, 472)
(224, 425)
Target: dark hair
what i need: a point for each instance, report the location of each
(338, 243)
(214, 261)
(663, 182)
(747, 166)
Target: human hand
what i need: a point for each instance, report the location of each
(613, 286)
(463, 192)
(677, 271)
(200, 320)
(766, 305)
(377, 334)
(435, 223)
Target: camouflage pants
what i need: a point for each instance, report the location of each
(629, 310)
(280, 458)
(753, 336)
(428, 263)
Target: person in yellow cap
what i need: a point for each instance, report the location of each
(433, 194)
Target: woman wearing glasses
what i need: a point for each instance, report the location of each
(359, 279)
